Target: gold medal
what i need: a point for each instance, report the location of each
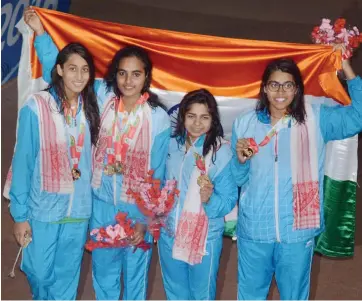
(118, 167)
(202, 180)
(76, 174)
(109, 170)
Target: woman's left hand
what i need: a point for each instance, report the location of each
(139, 234)
(206, 191)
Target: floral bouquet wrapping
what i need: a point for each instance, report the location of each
(155, 203)
(114, 236)
(338, 33)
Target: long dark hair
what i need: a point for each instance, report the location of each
(91, 109)
(142, 55)
(216, 132)
(296, 108)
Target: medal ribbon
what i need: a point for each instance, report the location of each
(76, 148)
(282, 123)
(70, 113)
(119, 141)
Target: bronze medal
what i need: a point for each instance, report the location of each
(118, 167)
(76, 174)
(109, 170)
(248, 152)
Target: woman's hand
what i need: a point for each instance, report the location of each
(139, 234)
(33, 20)
(20, 230)
(241, 145)
(346, 65)
(206, 190)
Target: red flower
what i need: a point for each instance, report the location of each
(100, 238)
(354, 41)
(339, 33)
(340, 22)
(155, 203)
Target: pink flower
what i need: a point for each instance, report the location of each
(116, 231)
(330, 36)
(121, 234)
(144, 195)
(170, 185)
(145, 186)
(111, 232)
(163, 196)
(337, 33)
(94, 232)
(344, 35)
(326, 24)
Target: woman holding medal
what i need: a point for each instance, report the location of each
(49, 184)
(133, 138)
(199, 159)
(279, 153)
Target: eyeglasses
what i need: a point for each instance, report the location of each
(274, 86)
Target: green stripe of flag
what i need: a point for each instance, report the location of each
(340, 218)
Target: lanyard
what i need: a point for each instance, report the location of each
(75, 147)
(253, 147)
(122, 135)
(282, 123)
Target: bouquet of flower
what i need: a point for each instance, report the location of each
(155, 203)
(328, 34)
(114, 236)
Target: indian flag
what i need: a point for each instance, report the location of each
(231, 69)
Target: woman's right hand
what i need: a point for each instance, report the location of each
(139, 234)
(20, 230)
(241, 145)
(32, 19)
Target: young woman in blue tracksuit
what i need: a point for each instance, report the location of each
(123, 98)
(281, 204)
(50, 188)
(190, 247)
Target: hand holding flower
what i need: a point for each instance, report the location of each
(155, 203)
(138, 235)
(346, 65)
(338, 33)
(120, 235)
